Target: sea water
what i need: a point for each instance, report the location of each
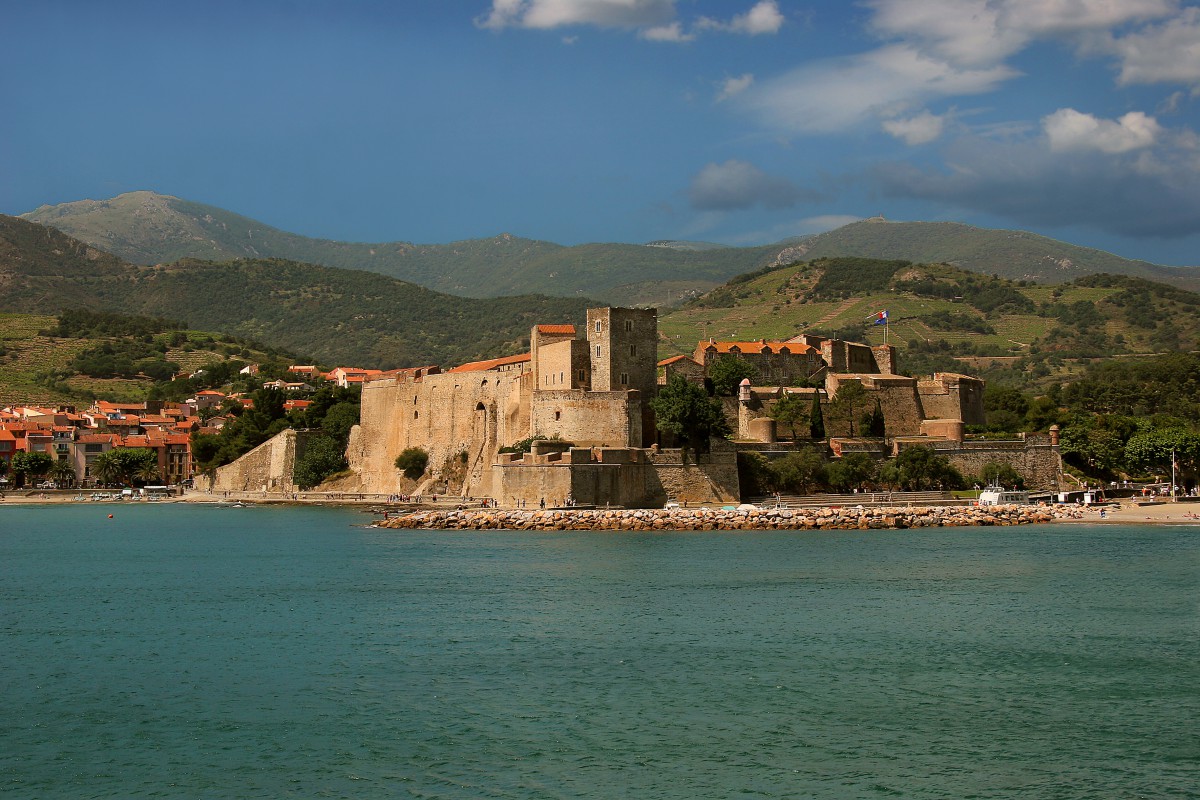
(182, 651)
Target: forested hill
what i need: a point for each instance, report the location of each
(335, 315)
(149, 228)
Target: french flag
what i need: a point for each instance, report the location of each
(881, 318)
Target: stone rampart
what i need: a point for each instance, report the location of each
(266, 468)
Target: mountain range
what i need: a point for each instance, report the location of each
(341, 316)
(147, 228)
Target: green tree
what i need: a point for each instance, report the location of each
(30, 465)
(323, 456)
(63, 472)
(850, 399)
(105, 468)
(685, 411)
(789, 410)
(727, 373)
(995, 473)
(412, 462)
(852, 471)
(1151, 450)
(340, 418)
(816, 420)
(132, 462)
(801, 471)
(874, 424)
(921, 469)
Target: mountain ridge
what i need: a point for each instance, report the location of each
(148, 228)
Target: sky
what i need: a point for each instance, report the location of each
(741, 122)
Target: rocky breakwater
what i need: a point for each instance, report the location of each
(703, 519)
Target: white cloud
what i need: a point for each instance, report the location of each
(654, 20)
(1145, 191)
(740, 185)
(666, 33)
(836, 94)
(1068, 129)
(1166, 53)
(962, 32)
(919, 129)
(975, 32)
(1039, 17)
(545, 14)
(763, 18)
(734, 86)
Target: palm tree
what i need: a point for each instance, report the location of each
(62, 471)
(106, 468)
(147, 473)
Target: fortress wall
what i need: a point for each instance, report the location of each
(634, 478)
(611, 419)
(710, 479)
(1032, 457)
(903, 409)
(266, 468)
(445, 414)
(950, 396)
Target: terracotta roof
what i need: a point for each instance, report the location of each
(494, 363)
(557, 330)
(757, 346)
(675, 359)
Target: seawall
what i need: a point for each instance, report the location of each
(720, 519)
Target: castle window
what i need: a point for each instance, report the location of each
(628, 325)
(582, 376)
(633, 349)
(415, 414)
(557, 415)
(597, 348)
(597, 326)
(560, 378)
(624, 378)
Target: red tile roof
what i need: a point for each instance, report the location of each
(675, 359)
(557, 330)
(494, 363)
(757, 346)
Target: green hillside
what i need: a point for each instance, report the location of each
(1016, 255)
(147, 228)
(42, 365)
(943, 317)
(335, 315)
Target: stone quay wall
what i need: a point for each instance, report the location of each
(758, 519)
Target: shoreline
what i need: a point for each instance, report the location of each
(447, 514)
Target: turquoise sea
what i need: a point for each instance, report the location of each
(180, 651)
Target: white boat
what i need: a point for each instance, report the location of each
(999, 496)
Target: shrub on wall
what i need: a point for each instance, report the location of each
(412, 462)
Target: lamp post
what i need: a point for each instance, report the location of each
(1172, 474)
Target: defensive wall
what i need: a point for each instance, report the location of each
(266, 468)
(558, 473)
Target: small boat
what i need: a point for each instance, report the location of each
(999, 496)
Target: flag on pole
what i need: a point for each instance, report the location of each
(881, 318)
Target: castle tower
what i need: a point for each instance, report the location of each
(622, 344)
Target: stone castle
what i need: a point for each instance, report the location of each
(579, 401)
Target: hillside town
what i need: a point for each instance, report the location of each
(66, 441)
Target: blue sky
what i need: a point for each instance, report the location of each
(741, 122)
